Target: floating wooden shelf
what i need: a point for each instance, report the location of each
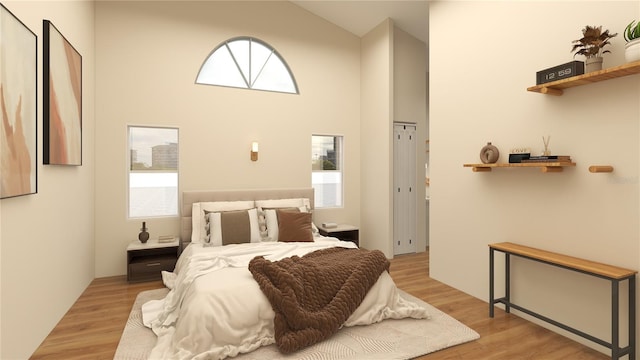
(557, 87)
(544, 167)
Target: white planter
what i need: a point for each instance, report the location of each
(632, 50)
(593, 64)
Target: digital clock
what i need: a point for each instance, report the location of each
(559, 72)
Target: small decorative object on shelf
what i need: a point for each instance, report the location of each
(516, 155)
(545, 141)
(590, 45)
(489, 154)
(560, 72)
(548, 158)
(632, 37)
(144, 235)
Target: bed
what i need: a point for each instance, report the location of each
(253, 271)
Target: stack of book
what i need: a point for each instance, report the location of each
(548, 159)
(167, 238)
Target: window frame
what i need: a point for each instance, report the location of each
(129, 171)
(247, 82)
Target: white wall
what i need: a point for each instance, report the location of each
(47, 246)
(376, 134)
(477, 94)
(147, 57)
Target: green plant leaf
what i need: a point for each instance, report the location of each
(632, 31)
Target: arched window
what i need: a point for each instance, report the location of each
(249, 63)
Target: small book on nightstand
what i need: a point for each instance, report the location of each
(166, 238)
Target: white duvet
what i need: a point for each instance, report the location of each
(215, 308)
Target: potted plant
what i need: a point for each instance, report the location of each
(591, 46)
(632, 36)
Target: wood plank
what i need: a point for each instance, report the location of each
(606, 270)
(544, 167)
(92, 327)
(520, 165)
(505, 337)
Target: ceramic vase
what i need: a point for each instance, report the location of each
(489, 154)
(632, 50)
(593, 64)
(144, 234)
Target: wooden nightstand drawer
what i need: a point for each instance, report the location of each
(145, 262)
(150, 267)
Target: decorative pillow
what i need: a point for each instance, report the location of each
(271, 220)
(232, 227)
(294, 226)
(198, 220)
(262, 224)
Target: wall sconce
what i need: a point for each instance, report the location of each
(254, 151)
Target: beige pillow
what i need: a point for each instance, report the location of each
(294, 226)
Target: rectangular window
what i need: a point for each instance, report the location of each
(153, 171)
(326, 170)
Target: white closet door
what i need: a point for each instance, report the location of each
(404, 192)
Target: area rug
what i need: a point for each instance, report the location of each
(389, 339)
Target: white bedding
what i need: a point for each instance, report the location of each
(216, 309)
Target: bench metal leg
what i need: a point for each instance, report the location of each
(491, 296)
(615, 319)
(632, 317)
(507, 286)
(507, 282)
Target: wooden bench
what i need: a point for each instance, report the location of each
(612, 273)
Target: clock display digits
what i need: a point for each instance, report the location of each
(564, 72)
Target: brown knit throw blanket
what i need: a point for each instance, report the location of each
(312, 296)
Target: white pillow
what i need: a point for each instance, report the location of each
(215, 227)
(198, 220)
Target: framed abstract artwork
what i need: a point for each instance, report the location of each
(62, 99)
(19, 105)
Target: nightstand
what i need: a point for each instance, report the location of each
(342, 231)
(145, 262)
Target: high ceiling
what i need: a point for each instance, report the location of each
(360, 16)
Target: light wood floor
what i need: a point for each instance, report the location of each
(92, 327)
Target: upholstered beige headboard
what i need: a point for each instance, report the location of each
(190, 197)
